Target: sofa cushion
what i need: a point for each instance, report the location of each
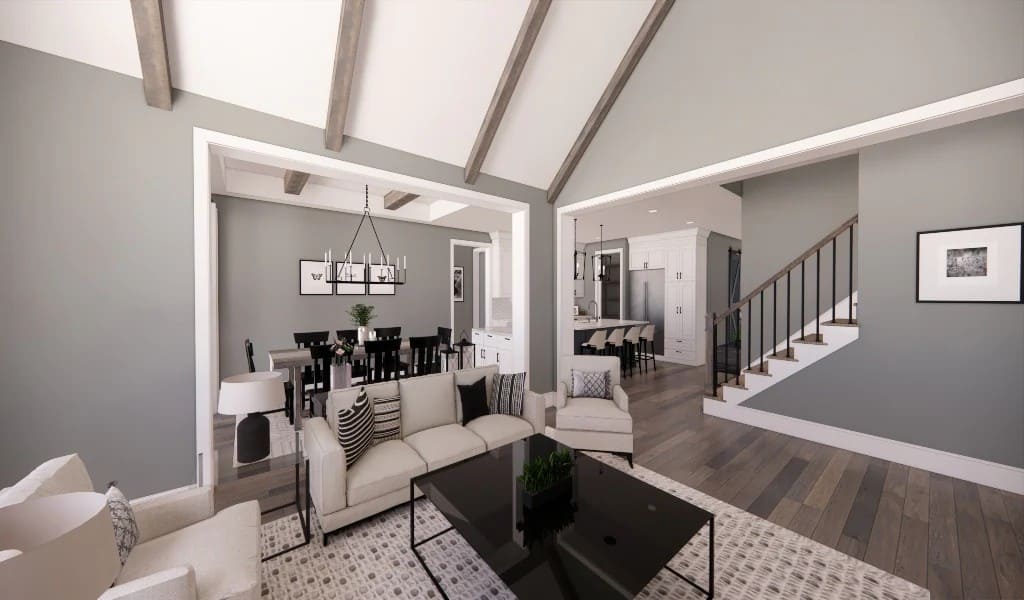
(444, 445)
(126, 529)
(355, 429)
(224, 550)
(507, 393)
(60, 475)
(427, 401)
(343, 398)
(473, 400)
(593, 414)
(468, 376)
(384, 468)
(498, 430)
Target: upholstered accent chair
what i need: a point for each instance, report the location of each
(586, 423)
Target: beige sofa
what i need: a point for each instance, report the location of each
(432, 437)
(184, 551)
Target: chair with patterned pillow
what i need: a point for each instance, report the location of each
(591, 408)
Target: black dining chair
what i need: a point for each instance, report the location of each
(388, 333)
(349, 335)
(323, 355)
(309, 339)
(352, 337)
(289, 389)
(445, 335)
(382, 362)
(426, 358)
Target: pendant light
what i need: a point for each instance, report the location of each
(579, 257)
(604, 261)
(384, 271)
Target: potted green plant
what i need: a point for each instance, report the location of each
(361, 315)
(546, 479)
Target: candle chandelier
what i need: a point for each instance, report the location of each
(384, 271)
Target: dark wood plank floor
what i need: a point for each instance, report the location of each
(958, 539)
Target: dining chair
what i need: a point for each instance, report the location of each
(289, 389)
(382, 360)
(352, 337)
(323, 355)
(647, 346)
(595, 345)
(445, 336)
(388, 333)
(308, 339)
(426, 357)
(349, 335)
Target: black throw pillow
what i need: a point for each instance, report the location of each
(474, 400)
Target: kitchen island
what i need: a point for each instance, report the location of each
(585, 327)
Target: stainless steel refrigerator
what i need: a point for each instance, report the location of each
(647, 302)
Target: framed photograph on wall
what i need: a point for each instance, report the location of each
(349, 272)
(971, 264)
(313, 279)
(458, 284)
(382, 273)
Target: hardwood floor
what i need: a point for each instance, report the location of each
(958, 539)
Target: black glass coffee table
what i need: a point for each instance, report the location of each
(603, 534)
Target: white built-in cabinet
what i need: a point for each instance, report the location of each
(683, 256)
(492, 348)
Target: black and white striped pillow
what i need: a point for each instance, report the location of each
(355, 428)
(387, 419)
(507, 392)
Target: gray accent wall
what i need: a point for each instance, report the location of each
(724, 79)
(945, 376)
(718, 270)
(97, 255)
(260, 246)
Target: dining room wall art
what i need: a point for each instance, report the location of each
(383, 274)
(313, 279)
(971, 264)
(349, 272)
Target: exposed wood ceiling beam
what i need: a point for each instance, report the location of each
(611, 93)
(149, 33)
(528, 32)
(395, 200)
(294, 181)
(344, 72)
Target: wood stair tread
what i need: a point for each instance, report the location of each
(841, 323)
(811, 338)
(763, 371)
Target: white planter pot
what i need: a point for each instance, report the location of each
(341, 376)
(362, 333)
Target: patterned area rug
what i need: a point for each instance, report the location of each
(282, 438)
(754, 559)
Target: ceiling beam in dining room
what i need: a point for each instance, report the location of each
(344, 72)
(294, 181)
(395, 200)
(151, 38)
(656, 16)
(514, 66)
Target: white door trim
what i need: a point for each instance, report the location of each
(210, 145)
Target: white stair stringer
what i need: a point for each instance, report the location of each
(834, 337)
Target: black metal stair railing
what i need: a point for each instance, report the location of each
(720, 369)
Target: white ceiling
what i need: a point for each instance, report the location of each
(425, 73)
(710, 207)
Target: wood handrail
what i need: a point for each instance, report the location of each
(792, 265)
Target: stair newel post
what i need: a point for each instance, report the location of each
(834, 278)
(714, 356)
(775, 317)
(817, 297)
(803, 299)
(789, 332)
(750, 332)
(761, 336)
(739, 337)
(850, 307)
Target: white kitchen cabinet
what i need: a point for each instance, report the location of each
(683, 256)
(577, 288)
(492, 347)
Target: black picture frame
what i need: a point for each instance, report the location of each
(1020, 265)
(350, 289)
(381, 289)
(458, 284)
(319, 267)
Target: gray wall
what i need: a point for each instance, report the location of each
(589, 283)
(945, 376)
(260, 246)
(718, 270)
(96, 246)
(723, 79)
(464, 259)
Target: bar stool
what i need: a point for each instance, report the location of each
(647, 347)
(596, 343)
(615, 345)
(632, 343)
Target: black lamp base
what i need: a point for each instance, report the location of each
(253, 438)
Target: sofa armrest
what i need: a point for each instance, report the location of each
(327, 469)
(161, 514)
(561, 394)
(620, 397)
(533, 410)
(176, 583)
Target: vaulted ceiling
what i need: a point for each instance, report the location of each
(424, 76)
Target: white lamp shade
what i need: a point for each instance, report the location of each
(66, 545)
(251, 393)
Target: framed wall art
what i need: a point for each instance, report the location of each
(350, 272)
(971, 264)
(313, 279)
(458, 284)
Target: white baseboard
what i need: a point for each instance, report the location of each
(975, 470)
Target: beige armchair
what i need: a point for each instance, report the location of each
(592, 423)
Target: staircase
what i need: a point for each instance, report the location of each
(781, 332)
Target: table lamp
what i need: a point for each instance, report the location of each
(59, 546)
(251, 394)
